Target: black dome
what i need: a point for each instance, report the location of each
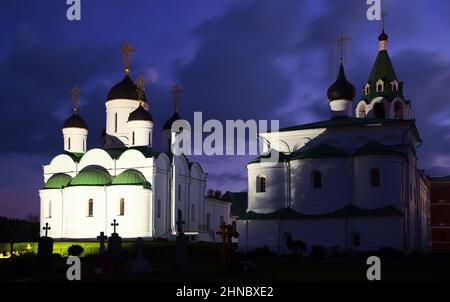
(383, 36)
(75, 122)
(341, 89)
(125, 89)
(140, 114)
(173, 118)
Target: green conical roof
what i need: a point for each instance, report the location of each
(91, 176)
(57, 181)
(130, 177)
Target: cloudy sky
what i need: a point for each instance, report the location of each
(246, 59)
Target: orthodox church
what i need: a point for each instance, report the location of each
(126, 181)
(349, 182)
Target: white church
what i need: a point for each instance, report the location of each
(350, 182)
(126, 180)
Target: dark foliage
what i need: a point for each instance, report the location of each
(75, 250)
(18, 230)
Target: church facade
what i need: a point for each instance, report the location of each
(350, 182)
(126, 180)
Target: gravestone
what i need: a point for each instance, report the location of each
(115, 247)
(102, 239)
(228, 257)
(45, 251)
(181, 249)
(139, 265)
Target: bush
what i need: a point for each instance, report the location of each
(417, 254)
(261, 251)
(318, 251)
(75, 250)
(335, 251)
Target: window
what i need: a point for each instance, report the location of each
(362, 111)
(398, 111)
(379, 87)
(91, 208)
(356, 239)
(260, 184)
(179, 192)
(115, 122)
(49, 214)
(367, 89)
(317, 179)
(379, 111)
(158, 208)
(192, 212)
(208, 220)
(221, 221)
(375, 177)
(122, 207)
(132, 138)
(68, 143)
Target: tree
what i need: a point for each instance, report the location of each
(210, 193)
(217, 194)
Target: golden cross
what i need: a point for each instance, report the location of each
(384, 13)
(176, 93)
(140, 84)
(75, 95)
(342, 40)
(127, 53)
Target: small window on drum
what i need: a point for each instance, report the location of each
(260, 184)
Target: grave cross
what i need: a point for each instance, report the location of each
(114, 224)
(180, 222)
(46, 228)
(102, 239)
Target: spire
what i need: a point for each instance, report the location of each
(176, 93)
(75, 96)
(127, 53)
(383, 37)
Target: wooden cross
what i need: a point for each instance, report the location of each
(140, 84)
(180, 222)
(46, 228)
(223, 232)
(176, 93)
(127, 53)
(114, 224)
(75, 95)
(342, 40)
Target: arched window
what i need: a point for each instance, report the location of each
(192, 212)
(68, 143)
(132, 138)
(49, 214)
(84, 144)
(378, 110)
(375, 177)
(398, 111)
(356, 239)
(260, 184)
(158, 208)
(90, 208)
(115, 122)
(316, 179)
(122, 207)
(362, 111)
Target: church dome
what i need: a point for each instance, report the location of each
(75, 121)
(130, 177)
(171, 120)
(341, 89)
(91, 176)
(140, 114)
(57, 181)
(125, 89)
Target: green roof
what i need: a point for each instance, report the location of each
(130, 177)
(57, 181)
(345, 122)
(383, 70)
(319, 151)
(91, 176)
(375, 148)
(347, 211)
(115, 153)
(239, 202)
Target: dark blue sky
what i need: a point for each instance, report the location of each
(261, 59)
